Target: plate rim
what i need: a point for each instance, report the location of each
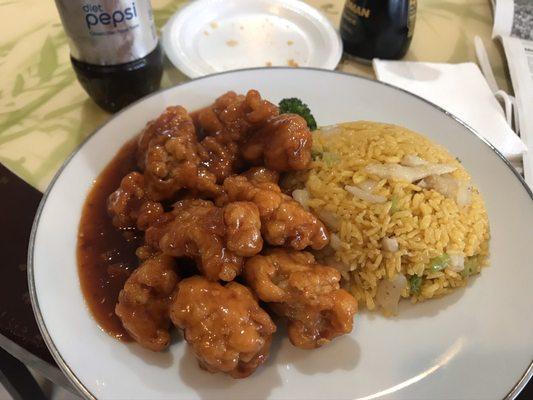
(65, 368)
(184, 67)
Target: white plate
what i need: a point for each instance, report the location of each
(211, 36)
(474, 343)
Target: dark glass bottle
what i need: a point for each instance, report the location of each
(114, 49)
(113, 87)
(378, 28)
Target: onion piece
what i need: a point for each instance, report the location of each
(389, 292)
(464, 194)
(301, 196)
(457, 262)
(389, 244)
(409, 174)
(365, 196)
(367, 185)
(412, 160)
(450, 187)
(330, 219)
(444, 184)
(329, 129)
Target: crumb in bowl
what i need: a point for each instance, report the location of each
(292, 63)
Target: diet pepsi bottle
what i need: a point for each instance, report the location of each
(113, 48)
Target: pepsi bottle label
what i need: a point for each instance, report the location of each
(108, 32)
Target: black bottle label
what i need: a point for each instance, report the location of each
(378, 28)
(357, 10)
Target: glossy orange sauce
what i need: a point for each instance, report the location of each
(106, 256)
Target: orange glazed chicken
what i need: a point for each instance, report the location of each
(218, 238)
(225, 326)
(226, 124)
(282, 144)
(172, 121)
(284, 222)
(171, 159)
(196, 197)
(306, 293)
(143, 303)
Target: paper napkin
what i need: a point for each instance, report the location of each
(461, 90)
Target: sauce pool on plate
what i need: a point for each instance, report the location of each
(106, 256)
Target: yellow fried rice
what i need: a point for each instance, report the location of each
(420, 238)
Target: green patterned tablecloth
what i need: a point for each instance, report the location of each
(44, 113)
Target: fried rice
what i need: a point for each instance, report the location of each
(405, 218)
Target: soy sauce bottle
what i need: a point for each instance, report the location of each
(114, 49)
(377, 28)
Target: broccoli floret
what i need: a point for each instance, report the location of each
(297, 106)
